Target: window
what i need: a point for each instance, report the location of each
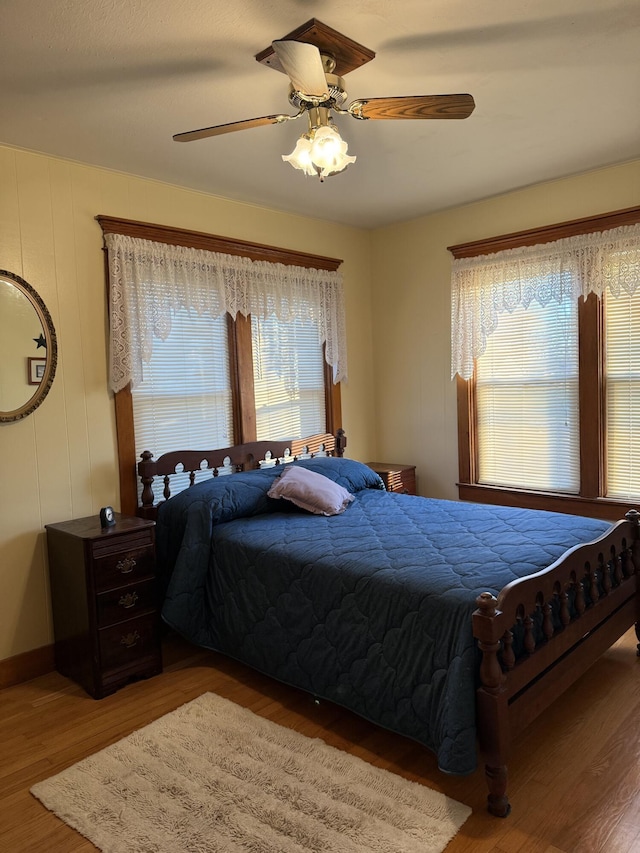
(210, 380)
(527, 400)
(622, 384)
(549, 415)
(185, 397)
(288, 378)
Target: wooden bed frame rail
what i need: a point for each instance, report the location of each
(241, 457)
(595, 590)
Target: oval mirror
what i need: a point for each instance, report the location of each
(28, 348)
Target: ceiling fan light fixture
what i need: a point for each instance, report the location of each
(314, 57)
(300, 157)
(321, 152)
(329, 151)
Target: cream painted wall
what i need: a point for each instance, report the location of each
(416, 412)
(60, 462)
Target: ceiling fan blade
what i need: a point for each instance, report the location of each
(219, 129)
(414, 107)
(303, 64)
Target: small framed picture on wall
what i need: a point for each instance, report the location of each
(35, 370)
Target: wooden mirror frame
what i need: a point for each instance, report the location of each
(51, 344)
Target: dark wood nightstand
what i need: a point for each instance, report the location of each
(104, 598)
(397, 478)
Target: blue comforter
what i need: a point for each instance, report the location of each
(370, 609)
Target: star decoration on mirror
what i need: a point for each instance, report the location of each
(41, 341)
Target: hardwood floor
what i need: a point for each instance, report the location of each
(574, 776)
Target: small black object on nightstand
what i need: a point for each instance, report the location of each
(107, 517)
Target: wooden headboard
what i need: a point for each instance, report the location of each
(240, 457)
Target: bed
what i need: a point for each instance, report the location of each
(451, 623)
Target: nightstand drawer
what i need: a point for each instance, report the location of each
(126, 602)
(123, 644)
(123, 567)
(113, 540)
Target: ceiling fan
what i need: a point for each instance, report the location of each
(315, 57)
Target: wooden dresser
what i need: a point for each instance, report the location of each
(104, 598)
(396, 477)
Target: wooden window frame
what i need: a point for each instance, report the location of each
(239, 330)
(589, 501)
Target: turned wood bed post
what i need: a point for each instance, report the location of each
(146, 508)
(492, 704)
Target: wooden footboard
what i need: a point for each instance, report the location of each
(221, 461)
(565, 617)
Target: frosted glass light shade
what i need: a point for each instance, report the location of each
(329, 151)
(323, 152)
(300, 157)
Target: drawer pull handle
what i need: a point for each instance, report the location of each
(130, 640)
(129, 600)
(126, 566)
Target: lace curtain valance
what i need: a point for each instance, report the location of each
(148, 281)
(485, 286)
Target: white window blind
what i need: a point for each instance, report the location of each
(527, 400)
(185, 398)
(622, 384)
(288, 375)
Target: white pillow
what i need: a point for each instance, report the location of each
(308, 490)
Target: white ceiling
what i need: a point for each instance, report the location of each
(108, 82)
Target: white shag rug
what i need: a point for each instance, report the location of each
(212, 777)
